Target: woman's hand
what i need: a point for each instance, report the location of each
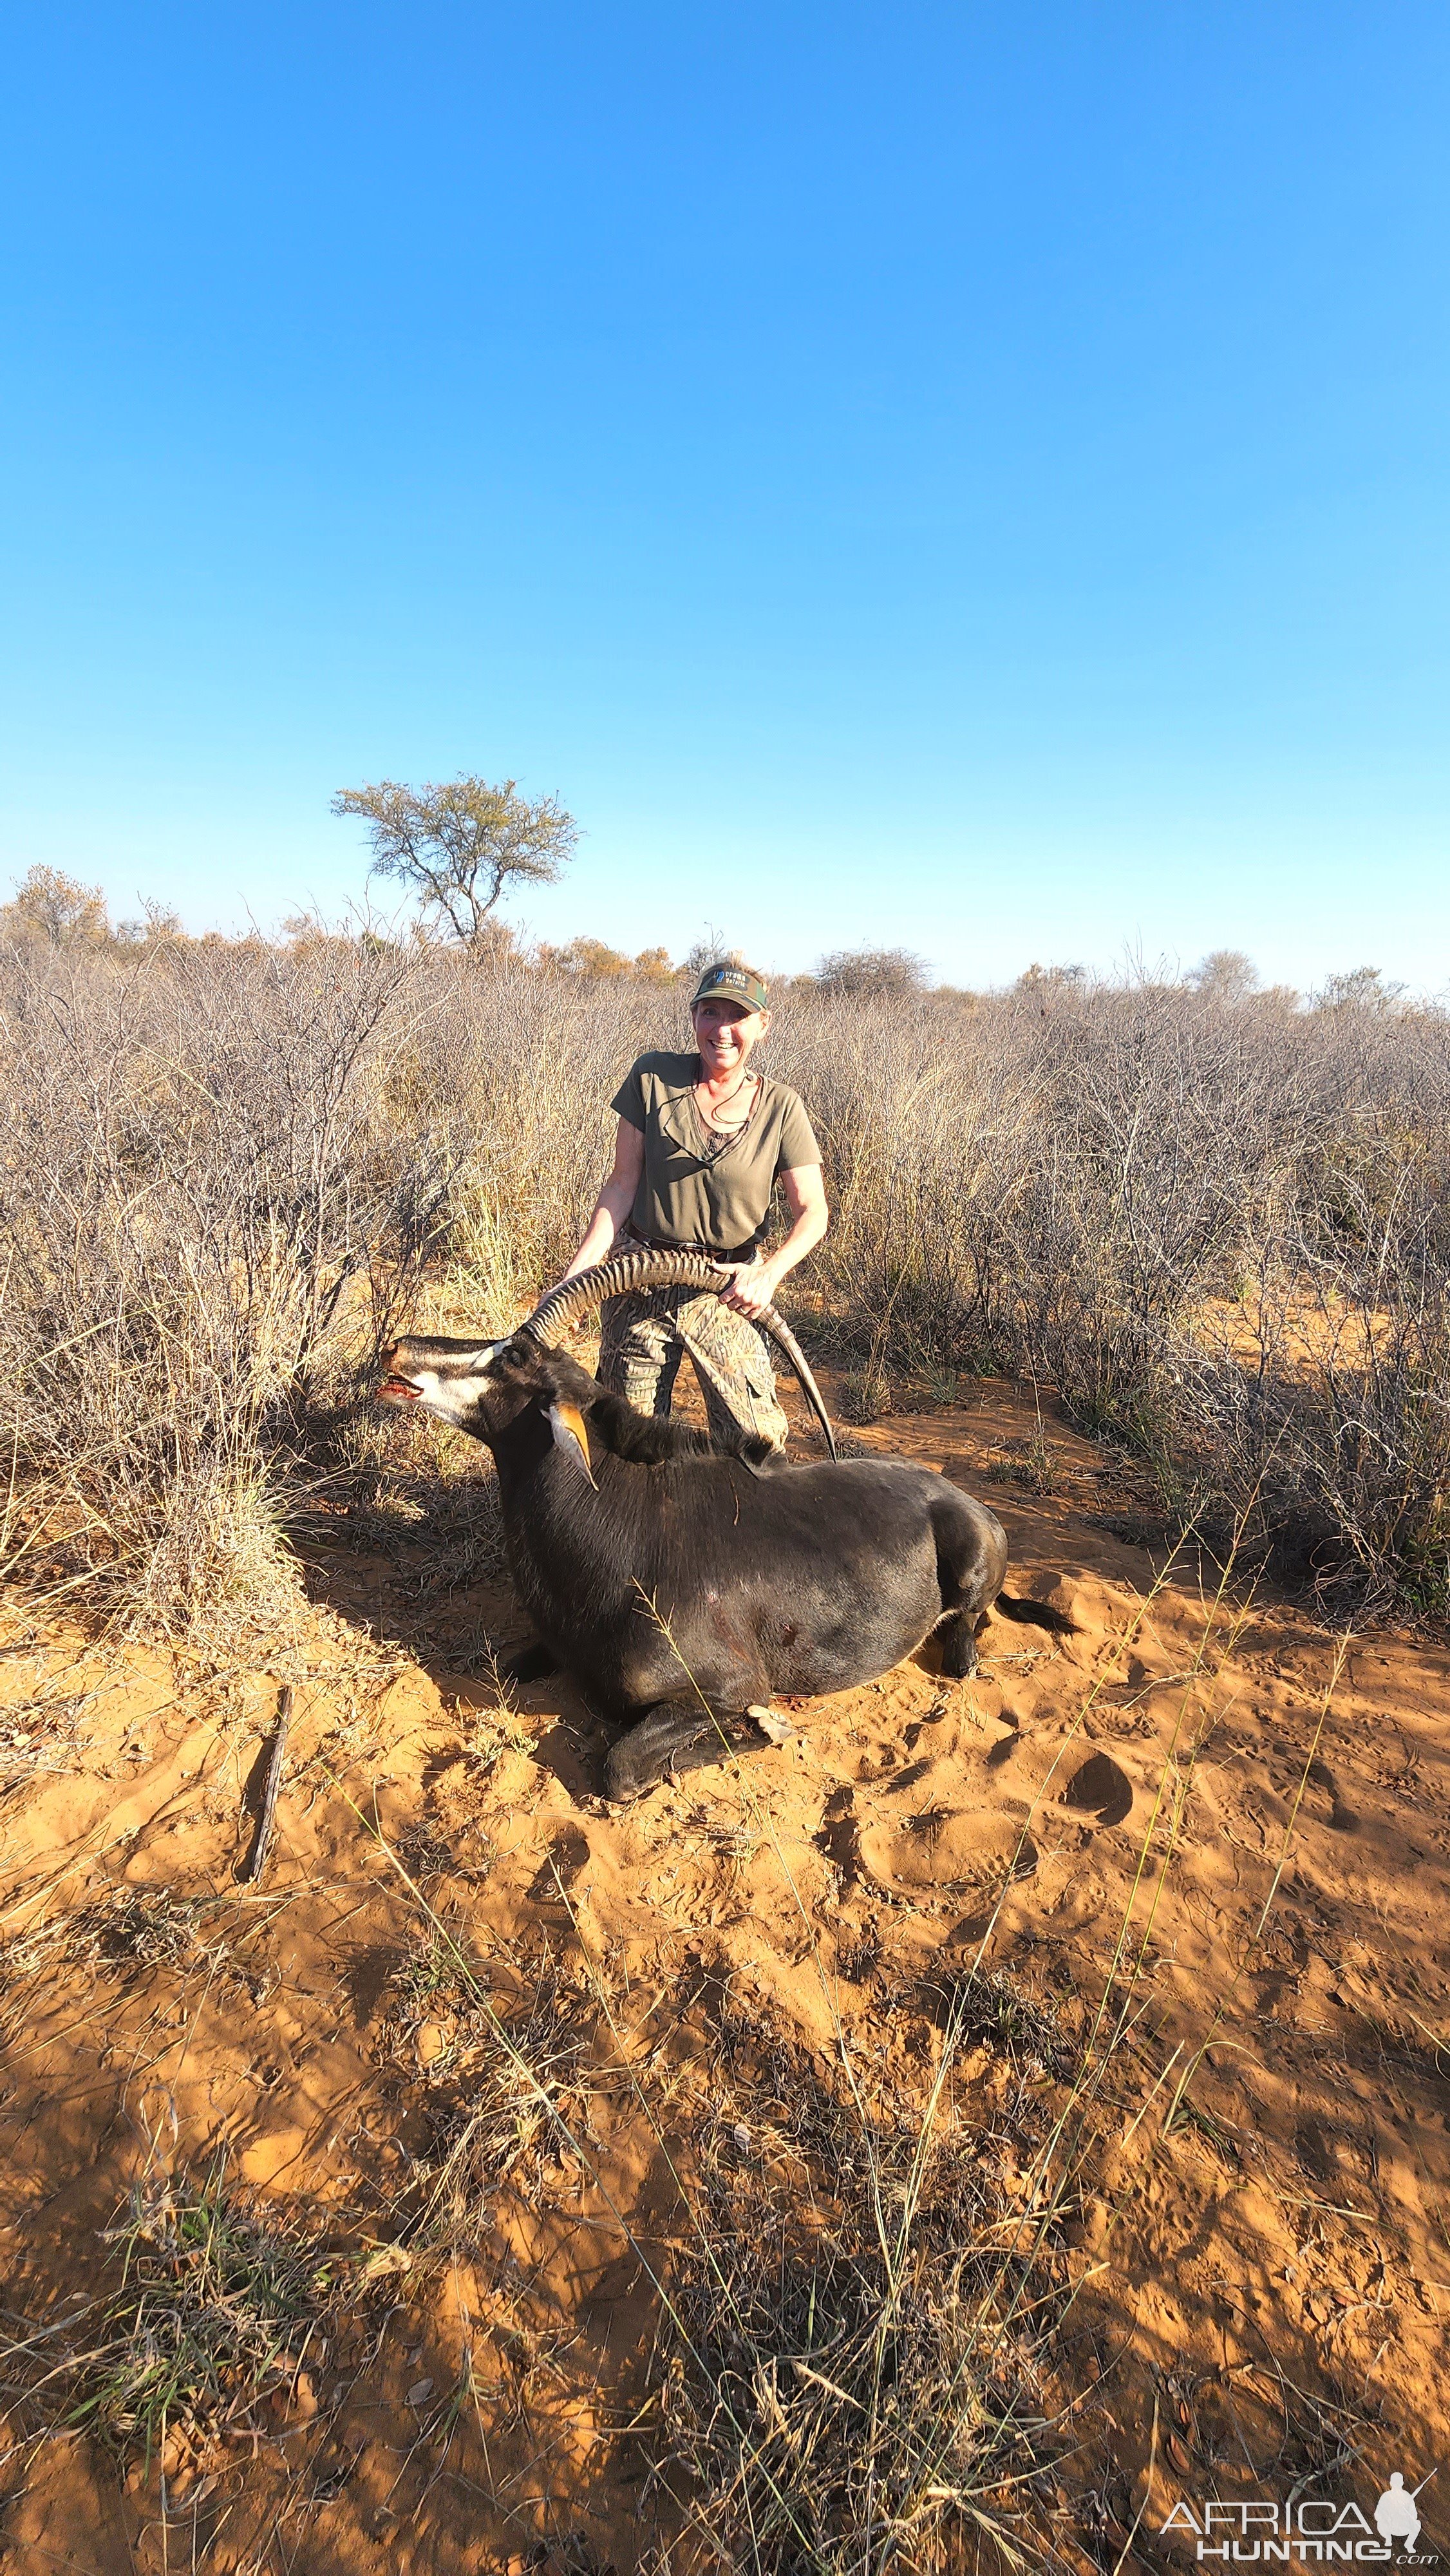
(752, 1288)
(757, 1283)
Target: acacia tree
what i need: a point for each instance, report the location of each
(460, 845)
(862, 972)
(1225, 975)
(1364, 988)
(53, 906)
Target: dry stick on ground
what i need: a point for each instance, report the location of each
(256, 1860)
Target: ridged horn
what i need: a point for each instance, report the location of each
(566, 1305)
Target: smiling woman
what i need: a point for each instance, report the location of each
(701, 1143)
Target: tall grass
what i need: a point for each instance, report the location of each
(1220, 1232)
(218, 1180)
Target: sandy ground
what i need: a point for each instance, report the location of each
(1204, 1839)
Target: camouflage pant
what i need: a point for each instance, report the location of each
(643, 1337)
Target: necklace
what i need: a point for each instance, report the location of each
(712, 1108)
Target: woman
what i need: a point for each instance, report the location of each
(700, 1145)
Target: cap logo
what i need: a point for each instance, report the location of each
(737, 981)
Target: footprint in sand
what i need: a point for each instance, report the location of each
(567, 1857)
(839, 1836)
(940, 1849)
(1342, 1819)
(1099, 1788)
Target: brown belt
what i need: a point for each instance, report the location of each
(657, 1243)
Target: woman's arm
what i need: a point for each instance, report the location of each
(615, 1199)
(805, 1196)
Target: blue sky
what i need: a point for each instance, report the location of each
(972, 478)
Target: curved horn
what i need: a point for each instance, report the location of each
(567, 1304)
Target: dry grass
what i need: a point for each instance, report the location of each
(206, 2335)
(866, 2337)
(1219, 1232)
(505, 2076)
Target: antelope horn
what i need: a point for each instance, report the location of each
(567, 1305)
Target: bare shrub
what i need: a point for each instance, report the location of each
(1215, 1222)
(528, 1064)
(206, 1181)
(877, 971)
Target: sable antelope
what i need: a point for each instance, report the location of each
(683, 1580)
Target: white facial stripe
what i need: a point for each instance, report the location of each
(453, 1391)
(449, 1397)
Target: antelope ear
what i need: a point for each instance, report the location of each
(567, 1425)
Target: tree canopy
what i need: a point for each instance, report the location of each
(1225, 975)
(585, 956)
(1363, 988)
(460, 845)
(867, 971)
(53, 906)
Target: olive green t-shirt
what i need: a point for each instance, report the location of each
(696, 1187)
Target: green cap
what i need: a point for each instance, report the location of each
(727, 983)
